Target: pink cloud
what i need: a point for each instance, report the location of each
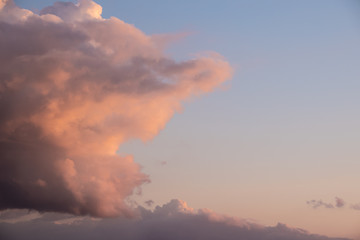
(74, 86)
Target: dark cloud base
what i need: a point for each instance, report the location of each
(172, 221)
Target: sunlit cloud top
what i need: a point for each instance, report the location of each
(74, 86)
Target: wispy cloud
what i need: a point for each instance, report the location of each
(339, 203)
(319, 203)
(74, 86)
(18, 216)
(355, 206)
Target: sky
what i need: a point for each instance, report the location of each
(247, 108)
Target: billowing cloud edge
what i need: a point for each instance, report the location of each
(74, 86)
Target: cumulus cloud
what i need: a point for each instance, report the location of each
(174, 220)
(73, 87)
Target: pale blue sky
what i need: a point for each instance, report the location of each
(287, 129)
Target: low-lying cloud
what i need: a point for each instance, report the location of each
(174, 220)
(73, 87)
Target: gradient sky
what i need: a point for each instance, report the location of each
(284, 131)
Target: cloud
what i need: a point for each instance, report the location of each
(339, 203)
(355, 206)
(73, 87)
(319, 203)
(70, 221)
(174, 220)
(16, 216)
(149, 203)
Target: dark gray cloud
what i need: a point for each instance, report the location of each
(174, 220)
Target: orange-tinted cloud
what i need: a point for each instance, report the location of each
(73, 87)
